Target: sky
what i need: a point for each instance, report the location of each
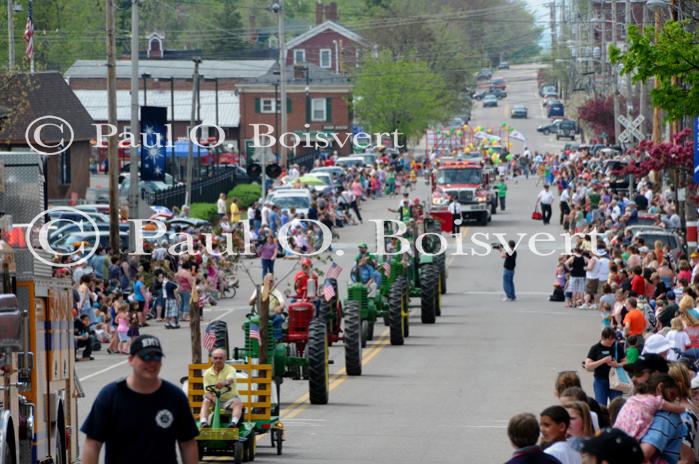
(541, 11)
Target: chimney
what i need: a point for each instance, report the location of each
(253, 29)
(319, 12)
(331, 12)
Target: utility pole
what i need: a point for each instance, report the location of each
(629, 93)
(278, 8)
(615, 83)
(113, 153)
(10, 36)
(135, 129)
(553, 26)
(656, 108)
(193, 114)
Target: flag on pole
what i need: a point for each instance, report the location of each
(29, 33)
(209, 340)
(517, 135)
(387, 268)
(328, 292)
(255, 332)
(334, 272)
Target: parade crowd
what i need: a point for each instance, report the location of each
(644, 406)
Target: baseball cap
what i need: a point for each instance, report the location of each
(657, 344)
(363, 245)
(614, 447)
(670, 295)
(146, 344)
(651, 361)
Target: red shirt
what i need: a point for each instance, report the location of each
(301, 284)
(329, 162)
(638, 285)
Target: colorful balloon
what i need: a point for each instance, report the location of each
(509, 157)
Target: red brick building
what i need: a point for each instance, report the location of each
(318, 102)
(328, 45)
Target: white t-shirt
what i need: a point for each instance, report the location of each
(565, 196)
(545, 198)
(564, 452)
(221, 206)
(679, 340)
(454, 207)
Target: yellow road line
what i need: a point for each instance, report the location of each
(336, 379)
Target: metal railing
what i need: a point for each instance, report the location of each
(203, 191)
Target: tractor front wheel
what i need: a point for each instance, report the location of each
(249, 449)
(318, 384)
(442, 264)
(353, 339)
(395, 313)
(238, 452)
(429, 282)
(365, 332)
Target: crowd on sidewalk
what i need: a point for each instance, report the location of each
(645, 401)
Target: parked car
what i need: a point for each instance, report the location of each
(300, 199)
(555, 110)
(519, 111)
(566, 129)
(568, 147)
(549, 89)
(499, 93)
(484, 74)
(549, 128)
(667, 238)
(499, 83)
(490, 101)
(504, 65)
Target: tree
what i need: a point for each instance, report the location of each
(226, 31)
(674, 54)
(402, 94)
(598, 112)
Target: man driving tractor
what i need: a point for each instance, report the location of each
(301, 281)
(221, 375)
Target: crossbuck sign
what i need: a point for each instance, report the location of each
(632, 129)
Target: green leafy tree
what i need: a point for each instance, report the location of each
(401, 94)
(675, 53)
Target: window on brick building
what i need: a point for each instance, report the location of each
(299, 56)
(318, 109)
(326, 60)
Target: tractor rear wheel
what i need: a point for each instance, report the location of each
(353, 339)
(406, 307)
(220, 329)
(395, 313)
(370, 332)
(317, 348)
(429, 277)
(277, 437)
(442, 274)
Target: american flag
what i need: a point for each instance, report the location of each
(209, 340)
(328, 292)
(29, 33)
(255, 332)
(334, 272)
(387, 268)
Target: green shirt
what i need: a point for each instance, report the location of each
(594, 199)
(502, 189)
(631, 355)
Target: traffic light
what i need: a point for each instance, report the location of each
(255, 170)
(273, 171)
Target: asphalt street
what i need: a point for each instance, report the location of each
(447, 394)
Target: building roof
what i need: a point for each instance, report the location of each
(27, 97)
(316, 75)
(327, 25)
(178, 69)
(95, 101)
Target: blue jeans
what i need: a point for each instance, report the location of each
(508, 283)
(184, 307)
(603, 393)
(267, 267)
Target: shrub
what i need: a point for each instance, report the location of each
(206, 211)
(247, 194)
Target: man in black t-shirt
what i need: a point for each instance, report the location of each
(669, 311)
(140, 418)
(604, 355)
(508, 271)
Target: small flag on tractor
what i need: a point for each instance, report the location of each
(209, 340)
(334, 272)
(328, 292)
(387, 268)
(255, 332)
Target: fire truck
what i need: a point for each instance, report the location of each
(468, 181)
(38, 414)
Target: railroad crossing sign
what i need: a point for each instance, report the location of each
(632, 129)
